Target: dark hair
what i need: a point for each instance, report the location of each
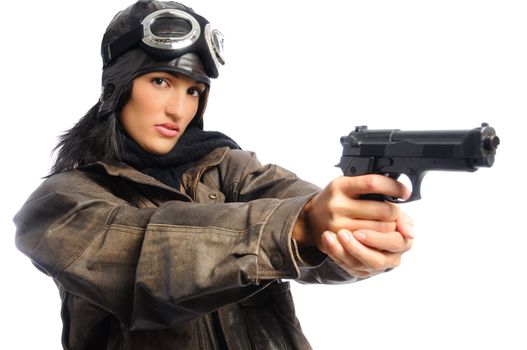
(101, 138)
(93, 138)
(98, 136)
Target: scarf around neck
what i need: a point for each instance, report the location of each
(193, 145)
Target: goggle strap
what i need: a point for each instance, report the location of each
(122, 44)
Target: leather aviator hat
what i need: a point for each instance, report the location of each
(157, 36)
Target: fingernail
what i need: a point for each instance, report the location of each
(361, 236)
(329, 237)
(344, 235)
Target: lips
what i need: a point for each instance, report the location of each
(167, 129)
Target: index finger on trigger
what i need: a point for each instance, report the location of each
(375, 183)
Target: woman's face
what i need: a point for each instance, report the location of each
(161, 107)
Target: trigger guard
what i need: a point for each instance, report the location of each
(415, 179)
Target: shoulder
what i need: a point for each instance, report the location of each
(237, 156)
(75, 182)
(238, 163)
(64, 180)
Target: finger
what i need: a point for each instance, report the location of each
(369, 210)
(333, 248)
(356, 268)
(373, 259)
(392, 242)
(374, 183)
(405, 226)
(335, 251)
(374, 225)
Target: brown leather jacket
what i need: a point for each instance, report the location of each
(141, 265)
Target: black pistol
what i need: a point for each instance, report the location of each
(413, 153)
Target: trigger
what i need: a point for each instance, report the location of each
(415, 180)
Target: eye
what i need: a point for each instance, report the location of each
(195, 92)
(161, 82)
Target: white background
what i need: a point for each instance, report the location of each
(299, 75)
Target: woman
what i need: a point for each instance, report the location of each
(160, 235)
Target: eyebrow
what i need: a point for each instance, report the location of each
(179, 75)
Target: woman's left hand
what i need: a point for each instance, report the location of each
(365, 253)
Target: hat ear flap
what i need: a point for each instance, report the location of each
(112, 102)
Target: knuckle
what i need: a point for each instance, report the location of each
(379, 211)
(378, 264)
(387, 211)
(340, 223)
(334, 185)
(370, 183)
(331, 190)
(385, 226)
(334, 205)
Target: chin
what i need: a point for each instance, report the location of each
(158, 146)
(161, 152)
(159, 149)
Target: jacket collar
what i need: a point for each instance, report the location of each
(190, 178)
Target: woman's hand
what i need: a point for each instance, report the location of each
(364, 237)
(365, 253)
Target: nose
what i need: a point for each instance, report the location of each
(176, 104)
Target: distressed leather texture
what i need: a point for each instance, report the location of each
(141, 265)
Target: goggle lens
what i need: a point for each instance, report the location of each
(170, 27)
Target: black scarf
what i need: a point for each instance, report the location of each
(193, 145)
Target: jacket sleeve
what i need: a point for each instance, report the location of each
(154, 267)
(272, 181)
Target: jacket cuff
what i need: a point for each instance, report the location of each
(278, 256)
(307, 257)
